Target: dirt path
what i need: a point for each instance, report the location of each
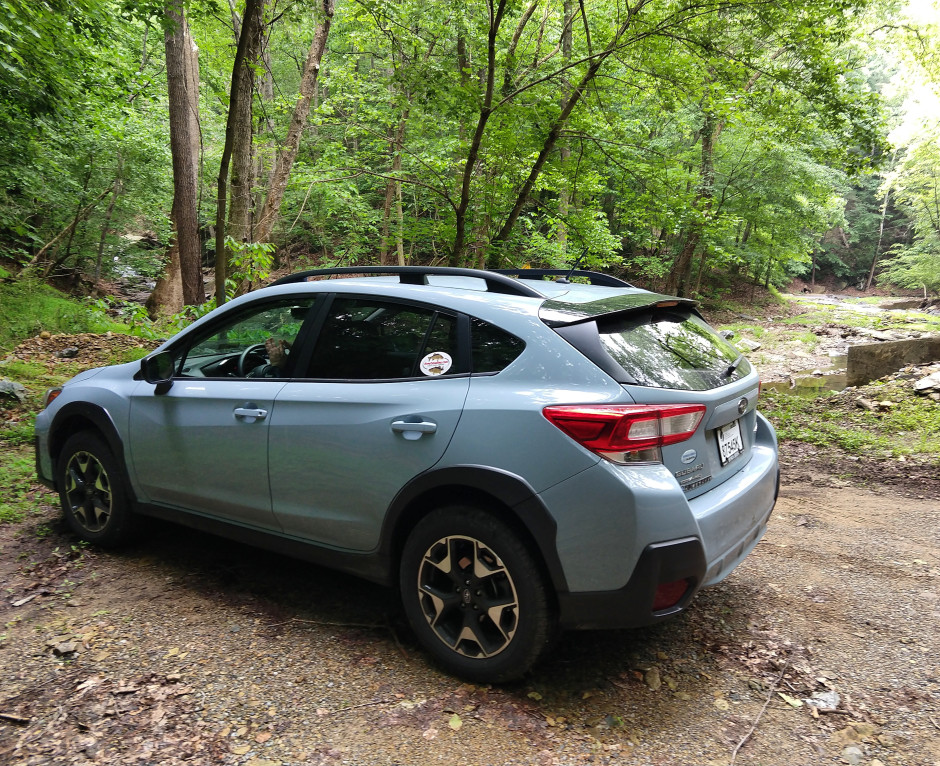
(188, 649)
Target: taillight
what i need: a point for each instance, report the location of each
(627, 433)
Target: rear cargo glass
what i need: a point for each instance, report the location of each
(671, 349)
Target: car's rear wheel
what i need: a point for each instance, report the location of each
(91, 490)
(474, 595)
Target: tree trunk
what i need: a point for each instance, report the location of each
(167, 296)
(486, 111)
(118, 189)
(494, 259)
(182, 67)
(881, 232)
(81, 203)
(676, 281)
(238, 132)
(264, 151)
(288, 152)
(701, 271)
(564, 194)
(396, 143)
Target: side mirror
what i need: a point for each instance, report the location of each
(158, 369)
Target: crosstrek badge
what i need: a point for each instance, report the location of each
(436, 363)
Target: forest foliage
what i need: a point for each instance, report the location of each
(687, 144)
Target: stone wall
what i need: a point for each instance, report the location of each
(875, 360)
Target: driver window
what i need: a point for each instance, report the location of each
(239, 348)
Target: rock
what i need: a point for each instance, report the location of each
(652, 679)
(66, 647)
(67, 353)
(865, 730)
(903, 303)
(886, 405)
(11, 390)
(865, 404)
(852, 755)
(924, 385)
(746, 344)
(727, 334)
(877, 334)
(828, 699)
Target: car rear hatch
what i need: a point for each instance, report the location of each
(664, 354)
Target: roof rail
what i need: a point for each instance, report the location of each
(595, 277)
(496, 282)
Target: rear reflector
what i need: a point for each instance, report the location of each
(669, 594)
(624, 433)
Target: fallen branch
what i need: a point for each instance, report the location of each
(17, 719)
(770, 696)
(368, 626)
(83, 213)
(401, 649)
(356, 707)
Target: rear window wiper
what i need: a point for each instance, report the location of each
(733, 366)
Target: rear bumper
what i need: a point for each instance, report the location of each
(660, 563)
(632, 605)
(700, 540)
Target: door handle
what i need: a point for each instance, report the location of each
(412, 430)
(250, 414)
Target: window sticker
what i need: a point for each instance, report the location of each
(436, 363)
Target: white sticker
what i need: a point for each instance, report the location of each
(436, 363)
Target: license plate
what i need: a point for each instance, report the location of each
(730, 443)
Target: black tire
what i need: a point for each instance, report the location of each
(92, 491)
(475, 596)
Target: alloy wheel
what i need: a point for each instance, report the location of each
(88, 491)
(468, 596)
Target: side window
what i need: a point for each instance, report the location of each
(236, 348)
(367, 339)
(493, 348)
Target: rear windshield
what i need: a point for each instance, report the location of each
(671, 349)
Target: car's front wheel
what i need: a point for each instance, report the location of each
(474, 595)
(91, 490)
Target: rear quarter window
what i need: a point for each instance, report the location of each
(493, 349)
(671, 349)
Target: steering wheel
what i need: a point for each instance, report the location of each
(257, 350)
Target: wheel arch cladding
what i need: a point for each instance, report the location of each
(493, 490)
(82, 416)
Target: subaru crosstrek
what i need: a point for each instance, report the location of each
(515, 453)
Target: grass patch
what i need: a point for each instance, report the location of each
(808, 338)
(744, 330)
(125, 355)
(909, 427)
(19, 492)
(29, 307)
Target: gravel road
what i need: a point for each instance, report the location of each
(189, 649)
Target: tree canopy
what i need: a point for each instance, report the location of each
(684, 143)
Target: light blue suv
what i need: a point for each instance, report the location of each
(517, 452)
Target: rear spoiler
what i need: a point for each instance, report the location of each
(559, 313)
